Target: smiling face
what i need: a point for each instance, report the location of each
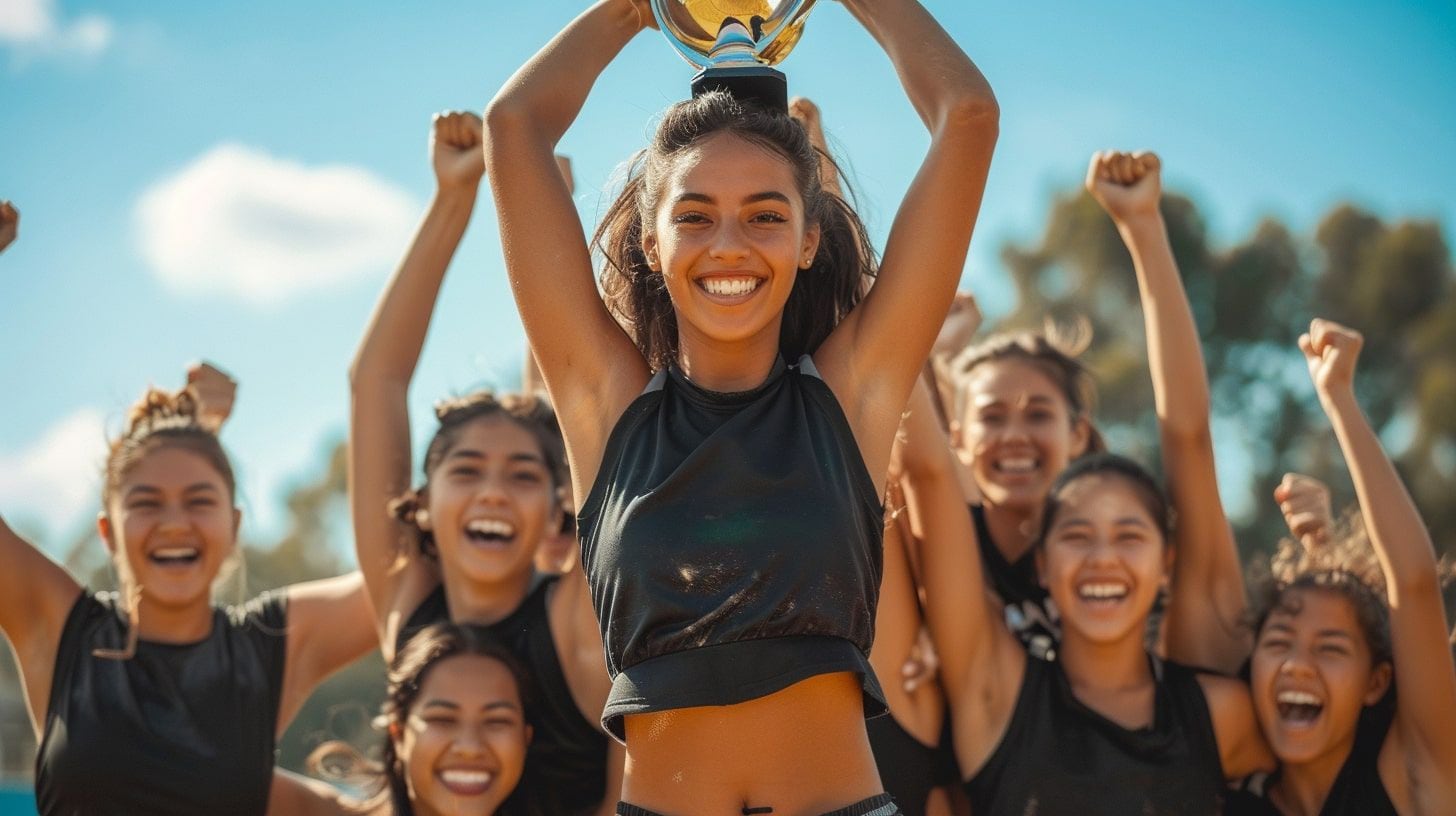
(1104, 559)
(1019, 431)
(490, 501)
(172, 523)
(729, 237)
(1311, 674)
(463, 741)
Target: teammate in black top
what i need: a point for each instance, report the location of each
(461, 547)
(158, 702)
(723, 257)
(1330, 645)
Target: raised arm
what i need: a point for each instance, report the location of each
(36, 595)
(379, 429)
(1425, 678)
(1203, 627)
(981, 662)
(9, 224)
(591, 368)
(876, 353)
(808, 115)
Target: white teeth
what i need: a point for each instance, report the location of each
(729, 287)
(466, 778)
(175, 552)
(1299, 698)
(1017, 465)
(1102, 590)
(491, 527)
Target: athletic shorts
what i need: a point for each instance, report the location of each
(881, 805)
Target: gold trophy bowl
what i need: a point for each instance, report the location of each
(735, 42)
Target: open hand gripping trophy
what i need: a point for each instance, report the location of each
(735, 42)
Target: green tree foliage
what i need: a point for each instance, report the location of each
(1393, 281)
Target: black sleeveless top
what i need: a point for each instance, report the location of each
(176, 729)
(732, 543)
(1029, 611)
(1357, 790)
(1060, 757)
(566, 761)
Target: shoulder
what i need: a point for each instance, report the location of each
(269, 609)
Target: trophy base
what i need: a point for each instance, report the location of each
(759, 84)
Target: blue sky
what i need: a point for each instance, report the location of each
(234, 180)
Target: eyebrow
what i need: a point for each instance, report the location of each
(1324, 633)
(471, 453)
(767, 195)
(151, 490)
(453, 706)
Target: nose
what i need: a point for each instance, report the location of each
(729, 244)
(1102, 551)
(492, 489)
(1297, 664)
(172, 519)
(468, 742)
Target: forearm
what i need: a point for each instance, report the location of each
(1175, 353)
(940, 80)
(392, 343)
(1391, 519)
(547, 93)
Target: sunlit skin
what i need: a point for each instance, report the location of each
(730, 211)
(495, 480)
(1104, 561)
(171, 525)
(1318, 651)
(463, 741)
(1019, 434)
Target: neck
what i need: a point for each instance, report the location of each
(1120, 665)
(1302, 787)
(173, 624)
(728, 367)
(484, 603)
(1013, 529)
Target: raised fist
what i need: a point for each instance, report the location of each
(805, 111)
(9, 224)
(1127, 185)
(1331, 350)
(215, 392)
(457, 149)
(960, 325)
(1305, 503)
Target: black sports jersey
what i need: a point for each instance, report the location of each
(733, 544)
(176, 729)
(567, 759)
(907, 766)
(1060, 757)
(1029, 611)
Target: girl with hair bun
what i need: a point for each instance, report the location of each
(729, 409)
(457, 719)
(1351, 676)
(154, 700)
(461, 546)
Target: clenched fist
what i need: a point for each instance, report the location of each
(1331, 351)
(457, 150)
(215, 392)
(9, 224)
(1127, 185)
(1305, 503)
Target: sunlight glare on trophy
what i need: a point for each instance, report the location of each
(695, 23)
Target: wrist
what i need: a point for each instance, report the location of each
(1140, 221)
(1339, 399)
(456, 189)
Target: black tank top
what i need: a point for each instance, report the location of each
(732, 543)
(908, 767)
(1357, 790)
(176, 729)
(1060, 757)
(567, 757)
(1029, 611)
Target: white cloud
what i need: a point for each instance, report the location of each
(33, 27)
(58, 478)
(238, 222)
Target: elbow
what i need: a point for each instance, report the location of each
(504, 118)
(974, 112)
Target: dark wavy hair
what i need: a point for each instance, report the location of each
(526, 410)
(384, 780)
(823, 294)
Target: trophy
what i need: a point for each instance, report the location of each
(734, 42)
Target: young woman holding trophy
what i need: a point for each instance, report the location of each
(729, 411)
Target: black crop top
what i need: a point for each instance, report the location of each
(176, 729)
(732, 543)
(566, 762)
(1060, 757)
